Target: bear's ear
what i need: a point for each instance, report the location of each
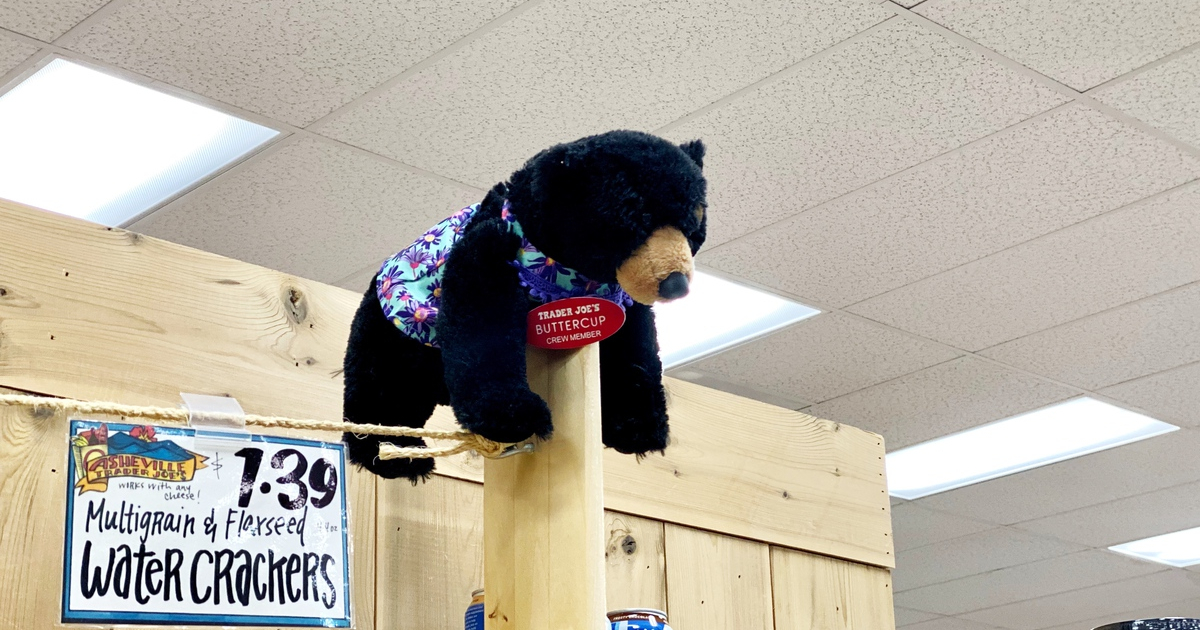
(694, 150)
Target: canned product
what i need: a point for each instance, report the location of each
(638, 619)
(474, 620)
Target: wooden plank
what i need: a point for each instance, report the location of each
(429, 554)
(761, 472)
(33, 482)
(102, 314)
(362, 506)
(544, 512)
(717, 582)
(636, 574)
(754, 470)
(818, 592)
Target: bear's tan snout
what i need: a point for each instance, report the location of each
(660, 270)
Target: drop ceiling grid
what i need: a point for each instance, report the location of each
(292, 61)
(1123, 98)
(1046, 34)
(1105, 261)
(286, 203)
(1070, 164)
(1165, 94)
(1189, 607)
(48, 19)
(12, 53)
(1086, 101)
(567, 69)
(1163, 593)
(1044, 585)
(1009, 585)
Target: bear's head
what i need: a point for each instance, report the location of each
(623, 206)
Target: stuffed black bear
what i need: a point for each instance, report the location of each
(618, 216)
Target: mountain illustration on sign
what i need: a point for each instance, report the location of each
(124, 444)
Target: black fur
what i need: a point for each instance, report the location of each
(588, 204)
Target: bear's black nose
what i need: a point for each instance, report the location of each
(674, 286)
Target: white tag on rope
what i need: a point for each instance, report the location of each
(218, 421)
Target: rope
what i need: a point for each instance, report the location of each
(466, 441)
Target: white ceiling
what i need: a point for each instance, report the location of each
(994, 204)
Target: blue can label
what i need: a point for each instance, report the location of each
(475, 616)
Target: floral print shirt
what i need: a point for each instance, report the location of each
(409, 285)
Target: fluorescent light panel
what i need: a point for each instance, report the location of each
(83, 143)
(1038, 438)
(1177, 549)
(717, 314)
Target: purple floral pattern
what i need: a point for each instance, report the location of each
(409, 285)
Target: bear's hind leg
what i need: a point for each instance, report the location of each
(393, 380)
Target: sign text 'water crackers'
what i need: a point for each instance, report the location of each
(165, 529)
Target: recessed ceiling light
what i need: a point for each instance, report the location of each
(87, 144)
(1045, 436)
(717, 314)
(1177, 549)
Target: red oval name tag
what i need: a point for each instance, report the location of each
(573, 322)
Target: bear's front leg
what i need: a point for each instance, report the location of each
(481, 326)
(633, 405)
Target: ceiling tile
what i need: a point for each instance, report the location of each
(1172, 395)
(973, 554)
(1081, 44)
(1089, 624)
(699, 377)
(946, 623)
(1166, 96)
(12, 53)
(1087, 603)
(914, 526)
(361, 279)
(939, 400)
(1148, 336)
(294, 61)
(1124, 471)
(1059, 169)
(905, 617)
(1132, 518)
(823, 357)
(310, 208)
(1188, 608)
(45, 19)
(1116, 258)
(1027, 581)
(471, 117)
(1081, 625)
(886, 101)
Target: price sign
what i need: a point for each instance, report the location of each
(573, 323)
(166, 529)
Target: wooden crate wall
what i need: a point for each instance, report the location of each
(429, 558)
(102, 314)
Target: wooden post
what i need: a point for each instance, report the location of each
(544, 511)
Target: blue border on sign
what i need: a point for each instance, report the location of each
(85, 616)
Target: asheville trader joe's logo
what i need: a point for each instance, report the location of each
(138, 453)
